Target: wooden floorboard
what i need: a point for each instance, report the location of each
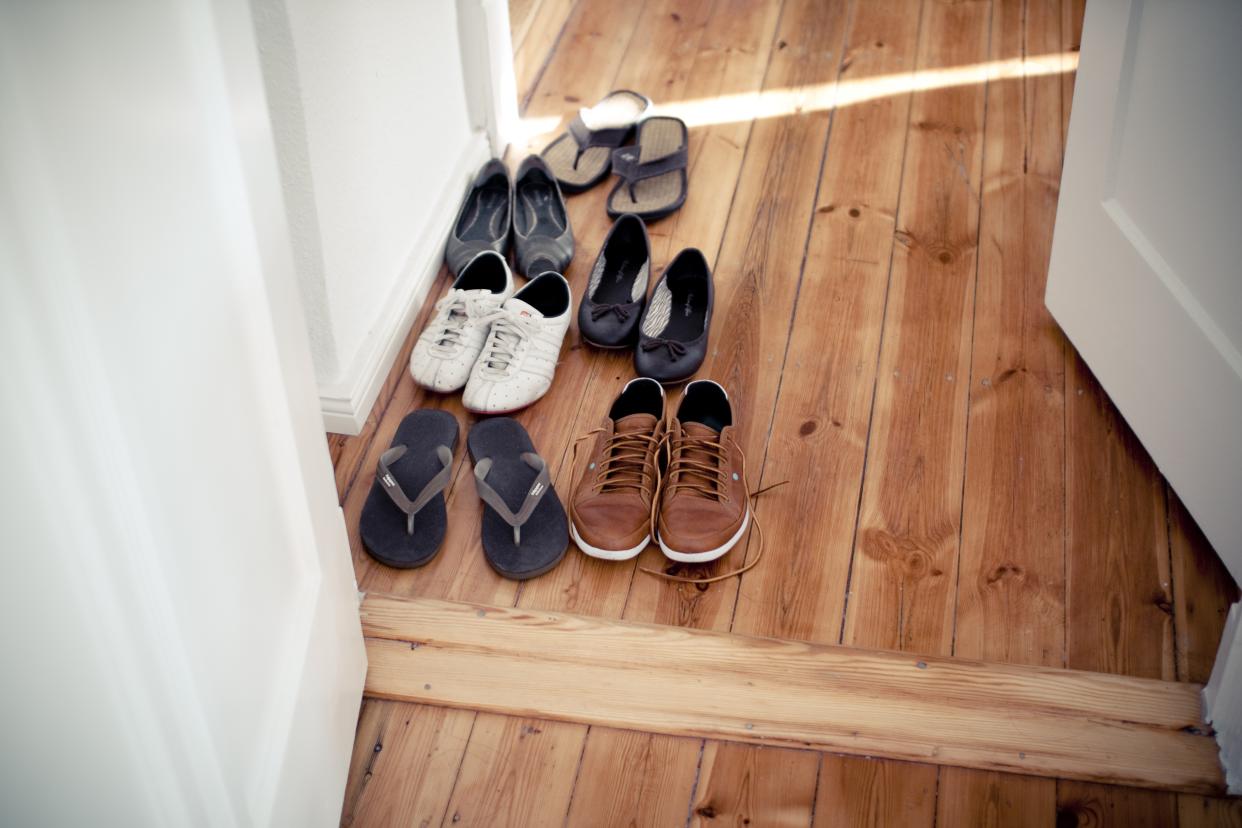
(995, 800)
(856, 792)
(628, 778)
(1011, 574)
(1044, 721)
(809, 415)
(905, 559)
(819, 430)
(748, 785)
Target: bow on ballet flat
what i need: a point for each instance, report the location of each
(622, 312)
(675, 349)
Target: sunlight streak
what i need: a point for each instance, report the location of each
(773, 103)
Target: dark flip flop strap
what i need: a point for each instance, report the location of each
(394, 491)
(625, 163)
(541, 486)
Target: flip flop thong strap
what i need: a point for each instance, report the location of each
(625, 163)
(541, 486)
(397, 495)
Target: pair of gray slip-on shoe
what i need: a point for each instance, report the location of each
(528, 211)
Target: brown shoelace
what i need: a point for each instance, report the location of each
(708, 478)
(625, 461)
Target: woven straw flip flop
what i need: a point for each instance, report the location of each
(580, 158)
(653, 173)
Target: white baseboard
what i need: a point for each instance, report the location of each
(347, 403)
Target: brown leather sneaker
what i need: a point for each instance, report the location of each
(704, 508)
(610, 512)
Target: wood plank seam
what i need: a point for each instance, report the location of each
(970, 371)
(892, 252)
(793, 309)
(535, 81)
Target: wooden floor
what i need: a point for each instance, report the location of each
(961, 485)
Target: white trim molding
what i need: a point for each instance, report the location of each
(347, 403)
(487, 68)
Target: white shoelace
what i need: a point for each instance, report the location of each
(457, 309)
(510, 330)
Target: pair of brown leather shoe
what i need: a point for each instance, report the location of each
(681, 482)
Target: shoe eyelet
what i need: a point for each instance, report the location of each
(735, 477)
(591, 466)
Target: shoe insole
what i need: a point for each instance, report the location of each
(621, 269)
(685, 319)
(486, 216)
(540, 213)
(657, 138)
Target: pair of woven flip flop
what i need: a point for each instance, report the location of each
(652, 171)
(524, 531)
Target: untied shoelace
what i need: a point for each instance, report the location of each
(711, 482)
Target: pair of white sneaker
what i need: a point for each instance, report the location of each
(502, 346)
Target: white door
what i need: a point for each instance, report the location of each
(181, 642)
(1145, 275)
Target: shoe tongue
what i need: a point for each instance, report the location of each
(632, 423)
(521, 308)
(700, 455)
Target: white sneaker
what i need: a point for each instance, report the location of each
(448, 347)
(519, 358)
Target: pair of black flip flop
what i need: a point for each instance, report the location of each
(524, 532)
(652, 170)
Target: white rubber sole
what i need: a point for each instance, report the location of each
(606, 554)
(709, 555)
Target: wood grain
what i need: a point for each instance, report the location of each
(1119, 599)
(1087, 804)
(995, 800)
(1208, 812)
(874, 793)
(1038, 720)
(1203, 592)
(1011, 576)
(404, 762)
(628, 778)
(535, 26)
(819, 430)
(748, 785)
(905, 558)
(517, 773)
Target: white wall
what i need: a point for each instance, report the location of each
(178, 616)
(375, 140)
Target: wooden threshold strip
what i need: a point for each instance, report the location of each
(1033, 720)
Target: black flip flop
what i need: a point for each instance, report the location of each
(525, 532)
(653, 172)
(397, 530)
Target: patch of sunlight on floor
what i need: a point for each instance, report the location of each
(534, 133)
(774, 103)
